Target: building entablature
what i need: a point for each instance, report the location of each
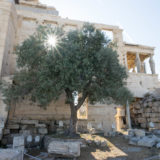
(136, 48)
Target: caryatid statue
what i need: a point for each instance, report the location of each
(143, 67)
(152, 65)
(138, 63)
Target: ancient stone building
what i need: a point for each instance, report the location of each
(19, 19)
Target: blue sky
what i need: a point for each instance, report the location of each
(140, 19)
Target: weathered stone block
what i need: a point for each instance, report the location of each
(42, 131)
(41, 125)
(153, 115)
(150, 104)
(37, 139)
(131, 132)
(18, 141)
(137, 106)
(6, 131)
(155, 119)
(13, 126)
(157, 125)
(148, 110)
(143, 125)
(155, 109)
(151, 125)
(9, 154)
(142, 120)
(97, 142)
(139, 132)
(25, 132)
(158, 145)
(157, 132)
(29, 139)
(35, 122)
(146, 142)
(146, 114)
(134, 140)
(68, 149)
(104, 144)
(60, 123)
(156, 104)
(140, 111)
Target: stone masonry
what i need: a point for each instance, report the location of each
(145, 113)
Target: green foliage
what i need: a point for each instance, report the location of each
(82, 61)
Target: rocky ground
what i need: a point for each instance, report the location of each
(117, 148)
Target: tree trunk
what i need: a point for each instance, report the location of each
(73, 121)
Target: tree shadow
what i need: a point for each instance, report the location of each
(94, 152)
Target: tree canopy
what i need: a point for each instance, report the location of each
(80, 60)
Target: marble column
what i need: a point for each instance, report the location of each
(143, 67)
(152, 65)
(138, 63)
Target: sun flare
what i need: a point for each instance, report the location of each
(52, 40)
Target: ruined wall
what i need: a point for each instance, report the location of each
(27, 118)
(8, 27)
(145, 113)
(8, 19)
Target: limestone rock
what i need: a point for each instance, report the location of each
(13, 126)
(139, 133)
(60, 124)
(43, 131)
(18, 141)
(41, 125)
(157, 139)
(104, 144)
(147, 142)
(25, 132)
(29, 139)
(6, 131)
(68, 149)
(131, 132)
(97, 142)
(35, 122)
(89, 142)
(158, 145)
(37, 139)
(60, 130)
(157, 132)
(134, 140)
(8, 154)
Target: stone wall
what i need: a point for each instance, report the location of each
(145, 113)
(140, 83)
(102, 116)
(28, 110)
(32, 121)
(8, 27)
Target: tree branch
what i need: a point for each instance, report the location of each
(81, 101)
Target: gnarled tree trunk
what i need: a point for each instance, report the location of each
(73, 121)
(74, 108)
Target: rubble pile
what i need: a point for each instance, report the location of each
(145, 113)
(139, 137)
